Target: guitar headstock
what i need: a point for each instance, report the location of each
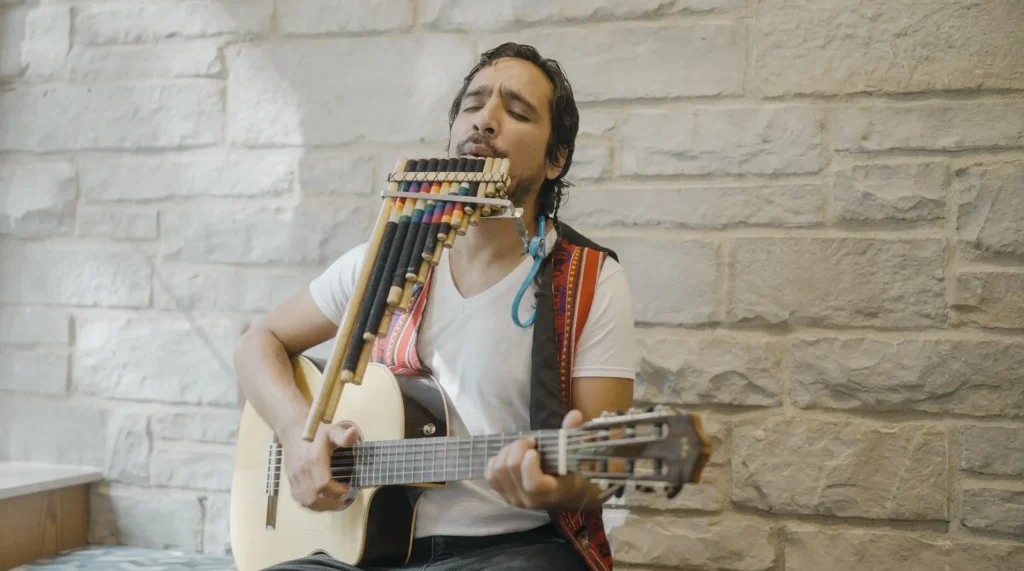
(657, 450)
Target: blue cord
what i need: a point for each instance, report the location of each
(538, 249)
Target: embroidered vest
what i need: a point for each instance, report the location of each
(568, 278)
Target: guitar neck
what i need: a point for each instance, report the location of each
(433, 460)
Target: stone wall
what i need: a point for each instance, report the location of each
(819, 205)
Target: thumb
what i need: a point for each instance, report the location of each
(343, 435)
(573, 419)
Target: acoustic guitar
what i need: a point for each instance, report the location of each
(405, 449)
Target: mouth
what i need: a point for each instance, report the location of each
(478, 150)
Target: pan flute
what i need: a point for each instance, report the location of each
(428, 203)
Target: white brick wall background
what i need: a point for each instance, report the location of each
(819, 205)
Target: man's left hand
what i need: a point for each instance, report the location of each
(516, 474)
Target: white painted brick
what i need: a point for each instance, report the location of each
(826, 547)
(43, 371)
(837, 282)
(48, 430)
(936, 126)
(474, 17)
(37, 199)
(216, 526)
(308, 17)
(123, 63)
(201, 469)
(129, 22)
(12, 37)
(227, 288)
(702, 140)
(720, 370)
(117, 223)
(678, 60)
(338, 172)
(597, 121)
(312, 232)
(590, 160)
(175, 360)
(883, 193)
(990, 209)
(656, 266)
(30, 326)
(702, 207)
(64, 275)
(333, 91)
(990, 299)
(128, 448)
(219, 426)
(156, 519)
(221, 174)
(73, 117)
(681, 542)
(835, 46)
(47, 40)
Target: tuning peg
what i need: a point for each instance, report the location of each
(671, 491)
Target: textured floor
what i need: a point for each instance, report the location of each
(119, 558)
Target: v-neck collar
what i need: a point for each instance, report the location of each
(443, 276)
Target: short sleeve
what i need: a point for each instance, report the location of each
(332, 289)
(607, 345)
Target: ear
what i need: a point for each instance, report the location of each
(556, 169)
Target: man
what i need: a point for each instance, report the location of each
(518, 105)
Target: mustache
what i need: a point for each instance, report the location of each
(478, 139)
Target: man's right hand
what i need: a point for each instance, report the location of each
(308, 465)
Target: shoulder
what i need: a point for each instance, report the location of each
(333, 287)
(575, 238)
(607, 344)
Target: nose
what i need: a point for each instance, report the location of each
(487, 119)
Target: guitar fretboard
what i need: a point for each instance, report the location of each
(427, 460)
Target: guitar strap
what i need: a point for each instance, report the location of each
(568, 279)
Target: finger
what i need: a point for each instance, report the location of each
(326, 504)
(334, 489)
(501, 478)
(573, 419)
(514, 468)
(534, 481)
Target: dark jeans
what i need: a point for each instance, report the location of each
(540, 549)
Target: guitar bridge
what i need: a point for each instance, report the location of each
(273, 481)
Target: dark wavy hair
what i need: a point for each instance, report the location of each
(565, 118)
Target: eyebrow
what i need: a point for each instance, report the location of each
(506, 92)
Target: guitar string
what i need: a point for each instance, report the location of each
(402, 453)
(424, 451)
(389, 446)
(545, 438)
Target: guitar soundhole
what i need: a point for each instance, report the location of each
(343, 467)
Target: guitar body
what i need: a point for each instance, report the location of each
(376, 529)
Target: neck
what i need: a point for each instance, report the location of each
(497, 240)
(423, 460)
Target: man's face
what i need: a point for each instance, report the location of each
(506, 113)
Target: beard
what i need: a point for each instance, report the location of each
(522, 184)
(463, 148)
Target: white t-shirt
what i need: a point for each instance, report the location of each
(481, 359)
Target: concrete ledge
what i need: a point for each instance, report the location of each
(24, 478)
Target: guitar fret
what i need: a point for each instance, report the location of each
(396, 462)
